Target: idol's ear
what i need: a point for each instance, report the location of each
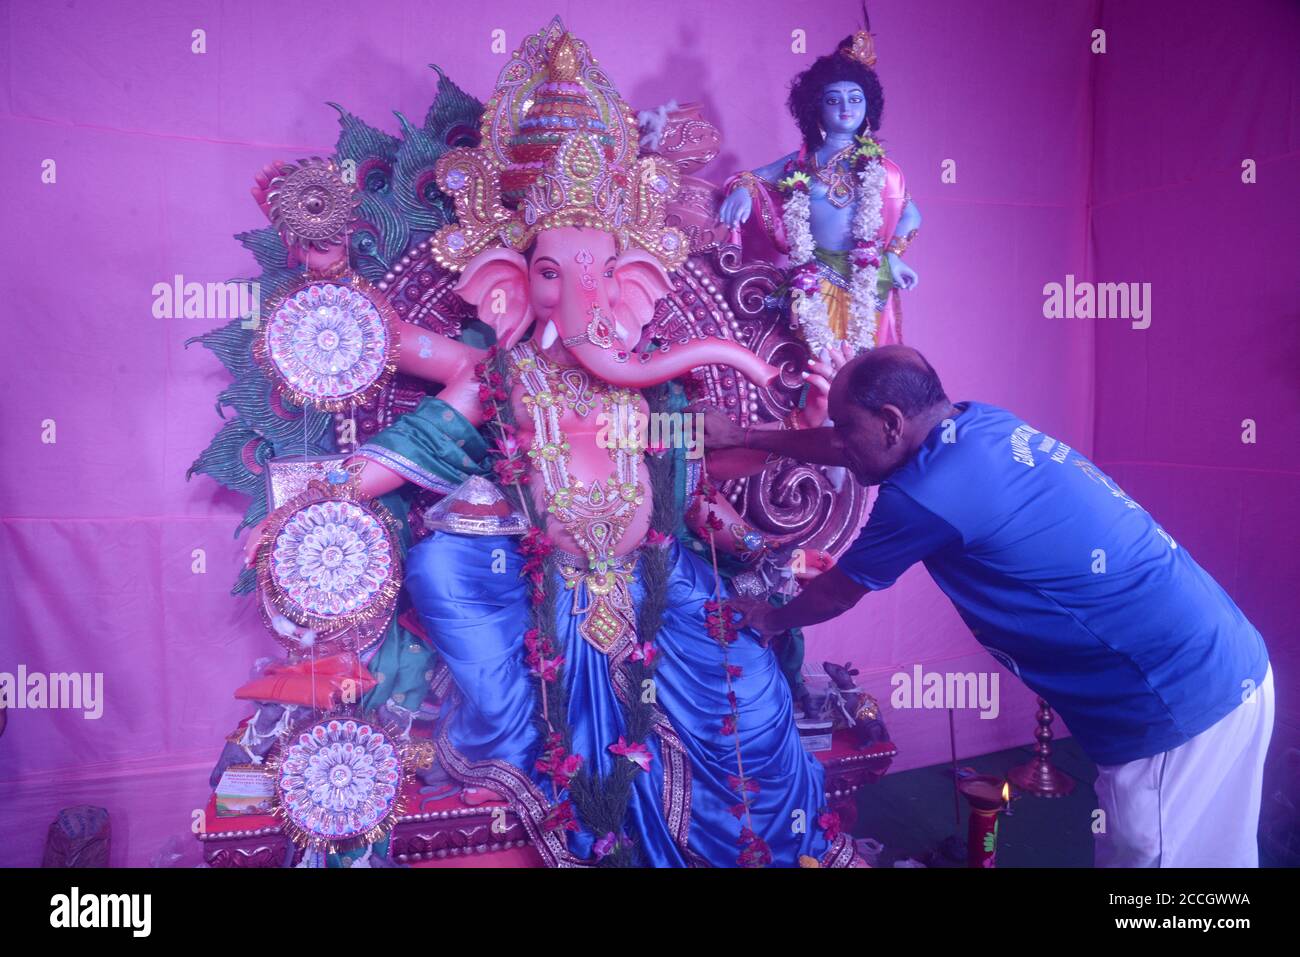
(495, 282)
(642, 282)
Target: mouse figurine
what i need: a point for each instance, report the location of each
(851, 707)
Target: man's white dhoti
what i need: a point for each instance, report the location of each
(1196, 805)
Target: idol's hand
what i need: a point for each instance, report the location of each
(719, 431)
(736, 207)
(756, 613)
(253, 545)
(316, 260)
(822, 372)
(904, 275)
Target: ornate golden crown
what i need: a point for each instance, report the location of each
(559, 147)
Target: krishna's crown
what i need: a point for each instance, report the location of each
(559, 147)
(862, 48)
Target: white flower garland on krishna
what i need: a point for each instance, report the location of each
(809, 306)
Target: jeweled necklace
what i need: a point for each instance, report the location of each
(595, 515)
(839, 179)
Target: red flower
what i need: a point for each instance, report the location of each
(560, 766)
(755, 852)
(718, 619)
(638, 754)
(705, 491)
(656, 538)
(738, 810)
(560, 818)
(729, 724)
(541, 657)
(646, 652)
(805, 278)
(829, 822)
(864, 254)
(536, 543)
(734, 671)
(736, 783)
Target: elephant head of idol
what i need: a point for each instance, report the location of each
(561, 224)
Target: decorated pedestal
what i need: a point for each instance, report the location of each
(444, 832)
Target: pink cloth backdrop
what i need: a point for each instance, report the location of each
(1066, 162)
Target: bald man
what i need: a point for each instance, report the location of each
(1069, 583)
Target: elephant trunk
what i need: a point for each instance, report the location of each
(638, 370)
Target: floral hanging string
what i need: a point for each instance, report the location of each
(754, 851)
(809, 306)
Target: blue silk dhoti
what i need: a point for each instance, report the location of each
(474, 606)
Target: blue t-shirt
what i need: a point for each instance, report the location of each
(1067, 581)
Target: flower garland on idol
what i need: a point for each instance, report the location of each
(580, 794)
(809, 306)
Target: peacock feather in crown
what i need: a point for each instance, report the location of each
(558, 147)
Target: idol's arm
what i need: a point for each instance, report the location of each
(432, 357)
(909, 222)
(827, 596)
(719, 520)
(743, 194)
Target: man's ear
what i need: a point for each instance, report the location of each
(895, 422)
(495, 282)
(642, 282)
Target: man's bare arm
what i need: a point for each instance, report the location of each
(827, 596)
(813, 446)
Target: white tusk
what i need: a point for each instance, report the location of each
(549, 334)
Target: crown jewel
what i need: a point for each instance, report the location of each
(862, 49)
(559, 147)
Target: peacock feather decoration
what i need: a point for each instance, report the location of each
(400, 206)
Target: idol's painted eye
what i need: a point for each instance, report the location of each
(609, 273)
(550, 274)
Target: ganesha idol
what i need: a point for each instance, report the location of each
(597, 682)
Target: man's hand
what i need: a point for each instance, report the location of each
(756, 613)
(719, 431)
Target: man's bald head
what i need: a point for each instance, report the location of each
(883, 403)
(891, 375)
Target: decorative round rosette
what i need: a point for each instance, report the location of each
(329, 343)
(311, 204)
(338, 783)
(330, 560)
